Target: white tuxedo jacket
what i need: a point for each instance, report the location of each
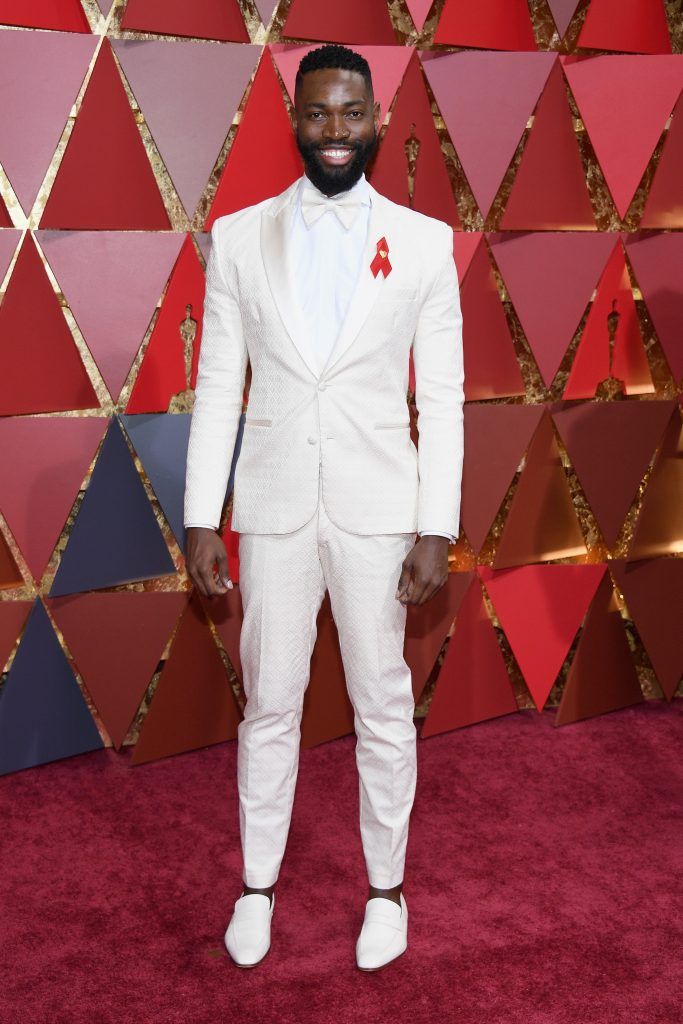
(349, 419)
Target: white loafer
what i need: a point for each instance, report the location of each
(247, 938)
(384, 934)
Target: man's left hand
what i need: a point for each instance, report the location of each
(424, 571)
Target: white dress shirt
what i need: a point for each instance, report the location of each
(326, 264)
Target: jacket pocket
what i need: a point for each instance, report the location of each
(391, 424)
(251, 421)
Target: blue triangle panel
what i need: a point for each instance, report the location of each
(115, 538)
(43, 715)
(161, 441)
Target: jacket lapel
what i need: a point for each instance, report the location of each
(368, 287)
(276, 254)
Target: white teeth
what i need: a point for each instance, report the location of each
(336, 152)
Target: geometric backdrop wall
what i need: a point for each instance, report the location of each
(549, 134)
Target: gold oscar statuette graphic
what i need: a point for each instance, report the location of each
(611, 388)
(183, 401)
(412, 148)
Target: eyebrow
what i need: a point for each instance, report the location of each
(347, 103)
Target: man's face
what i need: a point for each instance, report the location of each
(337, 126)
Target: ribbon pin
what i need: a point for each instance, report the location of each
(381, 259)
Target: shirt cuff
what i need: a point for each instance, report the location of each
(438, 533)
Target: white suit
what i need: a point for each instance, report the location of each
(329, 491)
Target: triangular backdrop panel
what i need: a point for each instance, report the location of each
(664, 203)
(355, 21)
(611, 445)
(169, 365)
(13, 616)
(205, 19)
(653, 589)
(387, 66)
(115, 538)
(491, 366)
(427, 627)
(64, 16)
(412, 115)
(10, 575)
(486, 100)
(188, 93)
(193, 705)
(540, 608)
(41, 369)
(44, 463)
(562, 12)
(624, 102)
(116, 641)
(225, 611)
(112, 281)
(247, 178)
(43, 714)
(602, 676)
(35, 107)
(266, 9)
(541, 524)
(591, 361)
(496, 436)
(161, 445)
(105, 147)
(473, 684)
(419, 9)
(487, 24)
(638, 26)
(657, 261)
(550, 277)
(659, 527)
(550, 190)
(9, 239)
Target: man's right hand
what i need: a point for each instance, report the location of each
(204, 549)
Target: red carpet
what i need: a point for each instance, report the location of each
(543, 879)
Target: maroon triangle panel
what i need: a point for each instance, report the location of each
(105, 179)
(41, 371)
(116, 641)
(653, 589)
(427, 627)
(354, 21)
(473, 683)
(202, 19)
(602, 676)
(611, 445)
(496, 436)
(411, 116)
(193, 705)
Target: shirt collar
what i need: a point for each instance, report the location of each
(361, 188)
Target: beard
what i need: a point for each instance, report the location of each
(329, 179)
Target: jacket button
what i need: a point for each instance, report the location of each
(312, 440)
(322, 386)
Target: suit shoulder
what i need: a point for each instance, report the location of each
(239, 219)
(434, 231)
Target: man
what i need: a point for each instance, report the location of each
(324, 289)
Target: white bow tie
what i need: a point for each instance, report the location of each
(314, 205)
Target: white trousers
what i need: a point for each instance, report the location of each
(283, 579)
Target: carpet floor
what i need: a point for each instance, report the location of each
(543, 882)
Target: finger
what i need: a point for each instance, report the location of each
(403, 580)
(209, 582)
(418, 590)
(223, 570)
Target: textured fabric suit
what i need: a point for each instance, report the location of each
(329, 492)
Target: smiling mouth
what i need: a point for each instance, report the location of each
(336, 154)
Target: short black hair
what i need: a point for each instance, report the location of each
(333, 55)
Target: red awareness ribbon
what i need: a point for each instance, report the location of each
(381, 259)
